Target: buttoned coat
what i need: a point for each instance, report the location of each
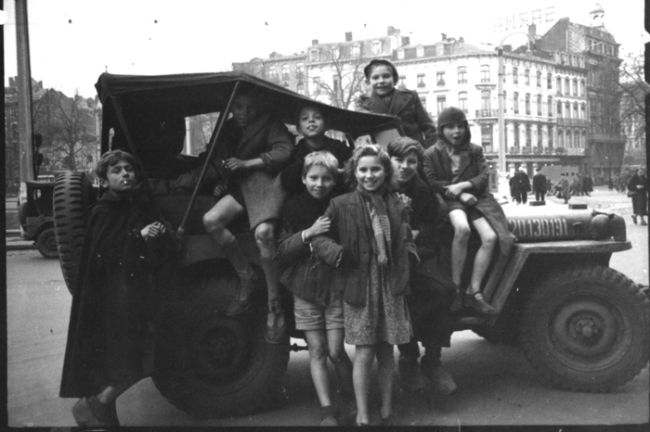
(351, 229)
(437, 167)
(405, 104)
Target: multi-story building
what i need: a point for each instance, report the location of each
(560, 97)
(605, 144)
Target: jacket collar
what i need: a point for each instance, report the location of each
(399, 99)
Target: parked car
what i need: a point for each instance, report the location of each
(35, 214)
(583, 325)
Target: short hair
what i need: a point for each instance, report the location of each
(403, 145)
(321, 158)
(112, 157)
(380, 62)
(368, 150)
(315, 107)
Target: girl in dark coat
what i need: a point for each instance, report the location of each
(371, 225)
(456, 168)
(127, 252)
(381, 75)
(318, 305)
(312, 125)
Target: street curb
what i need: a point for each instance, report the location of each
(13, 246)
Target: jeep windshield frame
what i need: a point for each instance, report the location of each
(129, 99)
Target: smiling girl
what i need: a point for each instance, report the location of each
(371, 225)
(381, 76)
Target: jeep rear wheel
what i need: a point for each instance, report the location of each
(46, 243)
(72, 196)
(209, 365)
(586, 329)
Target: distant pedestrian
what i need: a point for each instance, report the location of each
(587, 185)
(637, 190)
(539, 186)
(565, 187)
(524, 184)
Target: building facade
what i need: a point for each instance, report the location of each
(560, 98)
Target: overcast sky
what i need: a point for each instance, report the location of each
(73, 41)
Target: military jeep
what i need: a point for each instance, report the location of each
(35, 217)
(583, 325)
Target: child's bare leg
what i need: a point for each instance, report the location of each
(386, 370)
(458, 220)
(265, 238)
(341, 361)
(363, 358)
(216, 221)
(481, 264)
(317, 343)
(484, 253)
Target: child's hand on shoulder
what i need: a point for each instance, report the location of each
(321, 226)
(153, 230)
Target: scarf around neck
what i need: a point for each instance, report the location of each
(379, 221)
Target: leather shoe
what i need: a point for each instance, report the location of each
(477, 302)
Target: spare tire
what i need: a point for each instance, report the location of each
(72, 198)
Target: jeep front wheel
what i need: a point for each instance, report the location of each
(210, 365)
(586, 329)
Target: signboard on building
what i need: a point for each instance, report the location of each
(543, 18)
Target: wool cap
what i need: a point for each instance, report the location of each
(451, 115)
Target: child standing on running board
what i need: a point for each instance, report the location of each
(456, 168)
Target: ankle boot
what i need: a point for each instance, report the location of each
(411, 375)
(442, 382)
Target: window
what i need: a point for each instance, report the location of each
(462, 75)
(515, 102)
(575, 86)
(419, 51)
(421, 80)
(440, 79)
(549, 106)
(575, 110)
(423, 99)
(300, 72)
(550, 136)
(486, 137)
(539, 104)
(527, 76)
(462, 101)
(273, 73)
(558, 84)
(539, 78)
(441, 103)
(315, 55)
(515, 75)
(549, 81)
(559, 109)
(567, 86)
(336, 53)
(527, 102)
(400, 53)
(567, 110)
(583, 113)
(568, 139)
(560, 137)
(576, 139)
(285, 72)
(516, 126)
(539, 135)
(376, 47)
(485, 73)
(485, 101)
(505, 101)
(582, 87)
(356, 50)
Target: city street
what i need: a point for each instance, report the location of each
(497, 385)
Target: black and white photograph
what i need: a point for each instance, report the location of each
(350, 213)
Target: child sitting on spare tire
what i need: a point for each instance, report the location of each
(456, 168)
(127, 256)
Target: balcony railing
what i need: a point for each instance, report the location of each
(482, 113)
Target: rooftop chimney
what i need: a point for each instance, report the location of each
(532, 31)
(406, 40)
(391, 31)
(348, 36)
(314, 42)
